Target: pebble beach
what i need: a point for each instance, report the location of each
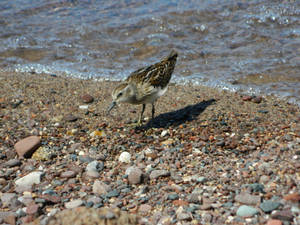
(208, 157)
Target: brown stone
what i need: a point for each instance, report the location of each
(10, 219)
(87, 98)
(145, 208)
(247, 98)
(274, 222)
(27, 146)
(32, 209)
(257, 99)
(51, 198)
(295, 197)
(283, 215)
(180, 202)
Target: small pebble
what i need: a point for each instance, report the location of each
(30, 179)
(145, 208)
(135, 176)
(73, 204)
(95, 166)
(159, 173)
(173, 196)
(68, 174)
(248, 199)
(125, 157)
(27, 146)
(113, 193)
(99, 187)
(32, 208)
(269, 206)
(70, 118)
(12, 163)
(274, 222)
(257, 100)
(246, 211)
(86, 98)
(285, 215)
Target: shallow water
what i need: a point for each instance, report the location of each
(252, 46)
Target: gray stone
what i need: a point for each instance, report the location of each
(246, 198)
(68, 174)
(269, 206)
(246, 211)
(256, 187)
(201, 180)
(173, 196)
(94, 166)
(73, 204)
(135, 176)
(159, 173)
(113, 193)
(70, 118)
(7, 198)
(100, 187)
(93, 174)
(184, 216)
(12, 163)
(85, 159)
(195, 198)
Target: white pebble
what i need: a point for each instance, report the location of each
(125, 157)
(83, 107)
(164, 133)
(81, 153)
(30, 179)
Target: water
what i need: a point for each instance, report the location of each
(253, 46)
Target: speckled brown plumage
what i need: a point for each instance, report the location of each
(158, 74)
(146, 85)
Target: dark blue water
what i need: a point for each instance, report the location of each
(253, 46)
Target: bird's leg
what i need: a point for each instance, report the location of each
(153, 110)
(141, 115)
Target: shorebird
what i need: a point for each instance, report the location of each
(145, 85)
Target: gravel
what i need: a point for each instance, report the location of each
(208, 156)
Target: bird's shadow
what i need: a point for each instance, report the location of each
(177, 117)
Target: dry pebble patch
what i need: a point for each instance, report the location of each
(208, 156)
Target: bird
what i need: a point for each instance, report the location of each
(145, 85)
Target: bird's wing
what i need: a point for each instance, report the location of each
(157, 74)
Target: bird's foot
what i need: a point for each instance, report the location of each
(135, 124)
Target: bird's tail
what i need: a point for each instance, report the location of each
(173, 54)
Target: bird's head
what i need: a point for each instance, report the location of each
(122, 93)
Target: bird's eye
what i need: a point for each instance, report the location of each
(120, 94)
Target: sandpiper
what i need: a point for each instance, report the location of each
(145, 85)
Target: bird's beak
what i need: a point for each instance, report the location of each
(113, 104)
